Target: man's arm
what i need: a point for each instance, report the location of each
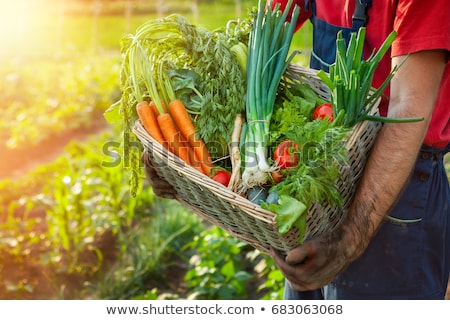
(413, 94)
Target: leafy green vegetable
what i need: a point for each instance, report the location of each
(290, 213)
(321, 150)
(314, 180)
(293, 108)
(321, 153)
(305, 91)
(222, 84)
(185, 83)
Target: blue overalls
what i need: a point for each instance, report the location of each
(409, 256)
(324, 34)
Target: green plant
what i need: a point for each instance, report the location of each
(218, 267)
(17, 237)
(85, 88)
(154, 294)
(84, 200)
(272, 285)
(20, 286)
(150, 250)
(81, 199)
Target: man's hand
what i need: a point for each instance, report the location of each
(160, 186)
(318, 260)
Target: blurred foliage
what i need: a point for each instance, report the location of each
(44, 97)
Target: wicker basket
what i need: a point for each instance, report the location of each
(237, 215)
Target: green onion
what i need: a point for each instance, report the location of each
(350, 80)
(268, 59)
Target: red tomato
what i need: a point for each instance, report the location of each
(323, 111)
(286, 155)
(222, 177)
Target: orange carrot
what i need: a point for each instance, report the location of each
(195, 161)
(155, 108)
(149, 121)
(173, 136)
(183, 121)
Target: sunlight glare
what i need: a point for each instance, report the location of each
(21, 25)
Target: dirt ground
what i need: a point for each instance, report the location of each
(17, 162)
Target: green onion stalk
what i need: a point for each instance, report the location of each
(350, 80)
(267, 61)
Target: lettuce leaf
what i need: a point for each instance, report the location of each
(290, 212)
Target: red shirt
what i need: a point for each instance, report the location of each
(420, 24)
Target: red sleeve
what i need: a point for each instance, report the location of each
(421, 25)
(304, 13)
(424, 25)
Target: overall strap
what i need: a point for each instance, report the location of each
(324, 34)
(359, 18)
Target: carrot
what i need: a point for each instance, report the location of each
(173, 136)
(183, 121)
(195, 161)
(149, 121)
(206, 167)
(155, 108)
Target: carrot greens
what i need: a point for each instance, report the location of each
(171, 58)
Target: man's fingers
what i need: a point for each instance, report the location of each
(292, 273)
(160, 187)
(277, 256)
(297, 255)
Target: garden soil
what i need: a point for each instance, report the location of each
(15, 163)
